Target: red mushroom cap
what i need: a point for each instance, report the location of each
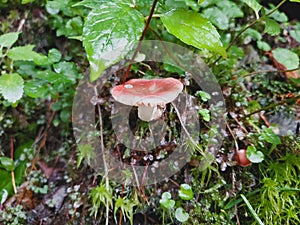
(241, 158)
(147, 92)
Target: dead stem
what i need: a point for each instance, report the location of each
(12, 158)
(103, 155)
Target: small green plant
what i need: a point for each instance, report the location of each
(13, 216)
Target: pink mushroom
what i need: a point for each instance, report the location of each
(150, 96)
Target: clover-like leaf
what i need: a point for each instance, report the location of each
(193, 29)
(109, 30)
(11, 87)
(166, 201)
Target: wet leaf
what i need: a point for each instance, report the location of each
(11, 87)
(9, 39)
(269, 136)
(185, 192)
(22, 53)
(7, 163)
(253, 4)
(166, 201)
(205, 114)
(271, 27)
(253, 155)
(181, 215)
(217, 17)
(286, 57)
(36, 89)
(193, 29)
(108, 31)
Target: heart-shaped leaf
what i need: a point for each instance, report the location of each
(11, 87)
(193, 29)
(108, 32)
(166, 201)
(253, 155)
(181, 215)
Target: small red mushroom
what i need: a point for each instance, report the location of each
(148, 95)
(241, 158)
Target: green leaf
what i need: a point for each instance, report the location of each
(205, 114)
(217, 17)
(271, 27)
(286, 57)
(27, 1)
(7, 163)
(253, 4)
(231, 9)
(263, 45)
(166, 201)
(185, 192)
(36, 89)
(11, 87)
(295, 1)
(23, 53)
(254, 214)
(85, 152)
(108, 31)
(9, 39)
(295, 33)
(54, 55)
(91, 3)
(68, 70)
(191, 28)
(181, 215)
(269, 136)
(204, 95)
(253, 155)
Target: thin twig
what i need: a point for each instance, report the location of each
(273, 105)
(103, 155)
(269, 71)
(13, 181)
(141, 38)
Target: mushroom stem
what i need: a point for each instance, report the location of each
(148, 113)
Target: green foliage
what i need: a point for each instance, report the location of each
(166, 201)
(286, 57)
(181, 215)
(107, 38)
(7, 40)
(185, 192)
(13, 216)
(191, 28)
(253, 4)
(11, 87)
(253, 155)
(103, 196)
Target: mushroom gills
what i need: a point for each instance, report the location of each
(148, 113)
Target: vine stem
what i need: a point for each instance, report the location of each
(248, 26)
(141, 38)
(289, 100)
